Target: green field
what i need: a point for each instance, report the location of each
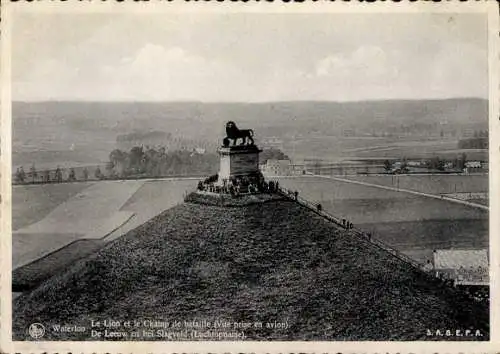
(85, 210)
(404, 221)
(32, 260)
(73, 211)
(335, 148)
(151, 199)
(433, 184)
(31, 203)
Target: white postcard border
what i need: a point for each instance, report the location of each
(9, 8)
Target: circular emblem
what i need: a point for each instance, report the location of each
(36, 330)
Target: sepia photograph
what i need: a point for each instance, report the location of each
(253, 176)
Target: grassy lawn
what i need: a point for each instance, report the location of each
(432, 234)
(148, 201)
(407, 222)
(151, 199)
(155, 196)
(317, 189)
(29, 247)
(87, 210)
(57, 214)
(74, 210)
(270, 262)
(434, 184)
(412, 208)
(334, 147)
(31, 203)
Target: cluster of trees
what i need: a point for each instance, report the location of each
(48, 176)
(459, 162)
(151, 162)
(434, 163)
(400, 167)
(481, 133)
(272, 154)
(138, 162)
(473, 143)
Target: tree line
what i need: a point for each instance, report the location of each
(272, 154)
(473, 143)
(58, 175)
(151, 162)
(434, 163)
(138, 162)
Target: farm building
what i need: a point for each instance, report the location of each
(468, 269)
(416, 163)
(463, 266)
(275, 167)
(475, 166)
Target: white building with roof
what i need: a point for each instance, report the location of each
(274, 167)
(466, 267)
(473, 164)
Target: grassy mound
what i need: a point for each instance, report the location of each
(229, 201)
(267, 262)
(33, 274)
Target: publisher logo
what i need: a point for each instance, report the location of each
(36, 330)
(454, 333)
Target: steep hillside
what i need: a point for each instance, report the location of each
(275, 261)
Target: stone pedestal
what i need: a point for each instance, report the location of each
(238, 162)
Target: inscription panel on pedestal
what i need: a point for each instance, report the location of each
(244, 163)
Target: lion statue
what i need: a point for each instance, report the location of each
(233, 133)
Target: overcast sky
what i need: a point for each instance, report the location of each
(248, 57)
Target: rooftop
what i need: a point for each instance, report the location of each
(454, 259)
